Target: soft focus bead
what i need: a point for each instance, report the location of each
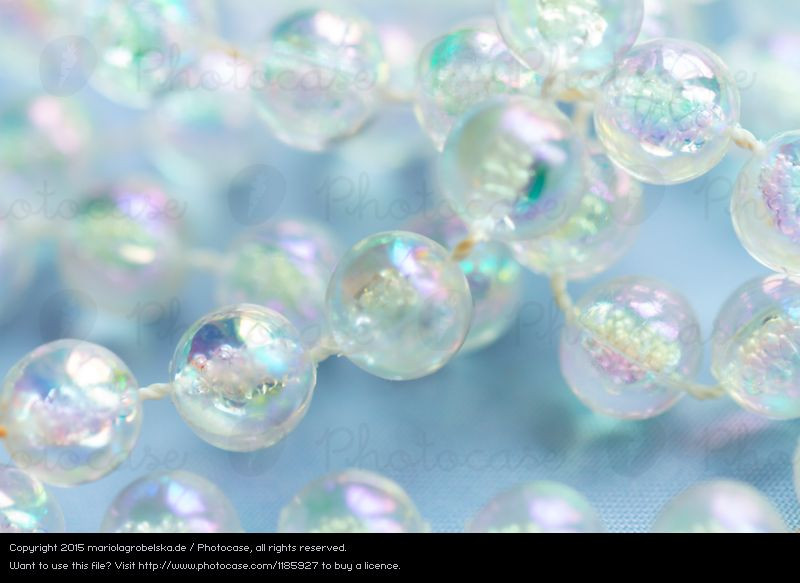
(71, 411)
(351, 501)
(25, 505)
(513, 168)
(241, 378)
(665, 113)
(459, 70)
(629, 337)
(719, 506)
(755, 346)
(286, 267)
(601, 231)
(398, 306)
(764, 205)
(171, 502)
(537, 507)
(322, 77)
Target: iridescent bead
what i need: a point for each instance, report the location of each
(513, 168)
(461, 69)
(537, 507)
(765, 206)
(629, 339)
(665, 113)
(719, 506)
(398, 306)
(351, 501)
(756, 344)
(25, 506)
(71, 411)
(241, 378)
(596, 235)
(322, 77)
(286, 267)
(171, 502)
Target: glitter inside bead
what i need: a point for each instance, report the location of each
(513, 168)
(719, 506)
(665, 113)
(241, 377)
(629, 338)
(171, 502)
(398, 306)
(71, 411)
(25, 505)
(351, 501)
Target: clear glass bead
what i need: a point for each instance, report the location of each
(630, 337)
(351, 501)
(513, 168)
(25, 505)
(241, 377)
(71, 411)
(665, 113)
(398, 306)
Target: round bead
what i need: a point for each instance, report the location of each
(513, 168)
(764, 205)
(537, 507)
(171, 502)
(665, 113)
(595, 236)
(630, 336)
(461, 69)
(351, 501)
(398, 306)
(25, 506)
(755, 345)
(719, 506)
(322, 77)
(72, 412)
(241, 378)
(286, 267)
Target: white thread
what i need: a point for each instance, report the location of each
(745, 139)
(323, 349)
(155, 391)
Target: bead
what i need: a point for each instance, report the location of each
(286, 267)
(755, 346)
(322, 78)
(398, 306)
(630, 335)
(764, 205)
(537, 507)
(461, 69)
(513, 168)
(595, 236)
(351, 501)
(25, 505)
(71, 411)
(719, 506)
(241, 378)
(171, 502)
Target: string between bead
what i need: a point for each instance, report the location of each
(155, 391)
(745, 139)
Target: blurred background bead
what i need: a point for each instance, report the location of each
(513, 168)
(630, 335)
(25, 505)
(241, 378)
(72, 412)
(755, 346)
(665, 113)
(601, 231)
(351, 501)
(719, 506)
(398, 306)
(537, 507)
(171, 502)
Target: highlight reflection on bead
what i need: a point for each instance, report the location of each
(351, 501)
(72, 412)
(25, 505)
(171, 502)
